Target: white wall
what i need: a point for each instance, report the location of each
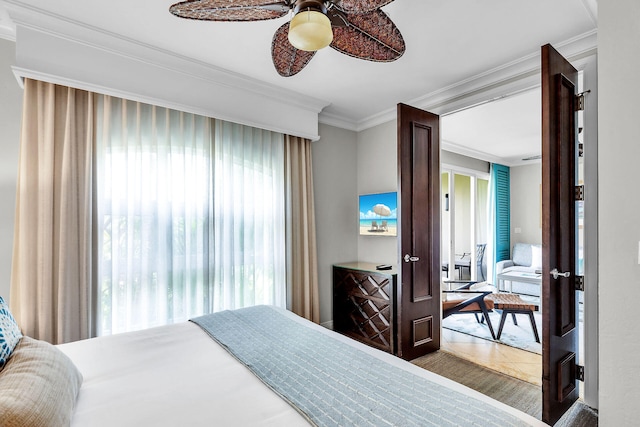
(378, 173)
(525, 204)
(336, 205)
(618, 204)
(10, 118)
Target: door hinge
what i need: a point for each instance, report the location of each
(579, 192)
(580, 373)
(579, 283)
(581, 150)
(580, 100)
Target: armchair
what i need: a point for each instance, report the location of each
(464, 300)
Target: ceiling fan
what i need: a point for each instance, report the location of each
(356, 28)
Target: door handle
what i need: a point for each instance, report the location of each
(408, 258)
(555, 273)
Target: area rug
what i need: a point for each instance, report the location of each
(520, 336)
(510, 391)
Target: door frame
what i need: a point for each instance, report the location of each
(586, 62)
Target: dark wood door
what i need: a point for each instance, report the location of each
(418, 290)
(559, 303)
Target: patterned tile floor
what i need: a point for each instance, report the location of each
(514, 362)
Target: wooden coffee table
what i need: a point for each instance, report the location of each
(513, 304)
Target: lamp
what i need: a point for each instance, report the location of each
(310, 28)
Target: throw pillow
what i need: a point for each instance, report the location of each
(38, 386)
(9, 333)
(536, 257)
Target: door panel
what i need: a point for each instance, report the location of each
(559, 138)
(418, 291)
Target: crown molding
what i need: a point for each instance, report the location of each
(481, 155)
(337, 121)
(591, 6)
(7, 32)
(469, 152)
(518, 75)
(7, 27)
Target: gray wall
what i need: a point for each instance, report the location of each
(336, 204)
(10, 118)
(345, 165)
(378, 173)
(526, 204)
(618, 206)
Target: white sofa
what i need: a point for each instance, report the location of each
(527, 258)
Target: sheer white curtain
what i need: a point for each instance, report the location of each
(249, 261)
(191, 215)
(154, 215)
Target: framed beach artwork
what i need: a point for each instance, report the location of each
(379, 214)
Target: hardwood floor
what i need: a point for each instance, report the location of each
(514, 362)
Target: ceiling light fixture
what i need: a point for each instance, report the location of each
(310, 28)
(358, 28)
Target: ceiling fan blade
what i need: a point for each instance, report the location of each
(287, 59)
(372, 36)
(361, 6)
(337, 17)
(230, 10)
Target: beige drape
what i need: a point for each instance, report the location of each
(52, 254)
(302, 264)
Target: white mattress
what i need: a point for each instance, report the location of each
(176, 375)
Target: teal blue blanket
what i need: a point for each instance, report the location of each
(335, 384)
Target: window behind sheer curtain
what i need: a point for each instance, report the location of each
(190, 216)
(249, 234)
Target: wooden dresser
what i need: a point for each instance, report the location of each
(364, 304)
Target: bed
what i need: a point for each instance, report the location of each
(262, 366)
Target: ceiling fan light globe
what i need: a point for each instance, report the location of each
(310, 30)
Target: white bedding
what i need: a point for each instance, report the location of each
(177, 375)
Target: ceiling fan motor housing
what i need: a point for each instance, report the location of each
(317, 5)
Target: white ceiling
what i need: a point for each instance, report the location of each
(506, 130)
(447, 42)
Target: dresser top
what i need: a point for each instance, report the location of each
(366, 266)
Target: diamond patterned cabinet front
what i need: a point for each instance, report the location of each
(363, 304)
